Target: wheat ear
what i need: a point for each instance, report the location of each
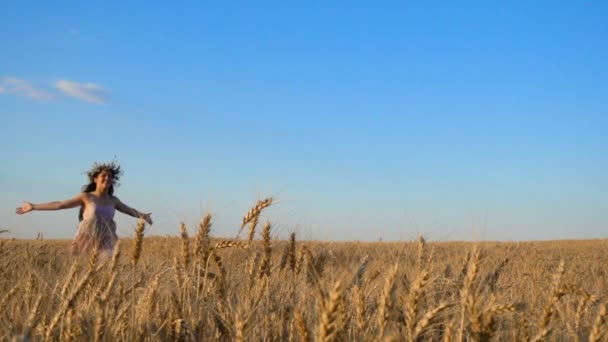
(599, 328)
(331, 318)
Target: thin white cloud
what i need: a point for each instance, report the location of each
(88, 92)
(13, 85)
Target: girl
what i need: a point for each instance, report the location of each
(97, 205)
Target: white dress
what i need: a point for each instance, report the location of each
(97, 228)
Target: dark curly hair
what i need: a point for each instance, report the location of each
(113, 168)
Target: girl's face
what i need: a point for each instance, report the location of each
(104, 180)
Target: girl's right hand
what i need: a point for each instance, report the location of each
(148, 218)
(25, 208)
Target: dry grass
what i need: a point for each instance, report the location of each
(202, 288)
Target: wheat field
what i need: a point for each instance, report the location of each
(196, 287)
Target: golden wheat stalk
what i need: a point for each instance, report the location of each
(93, 258)
(100, 322)
(331, 317)
(483, 325)
(291, 257)
(266, 257)
(302, 327)
(68, 280)
(358, 277)
(427, 319)
(222, 275)
(139, 238)
(230, 244)
(599, 329)
(467, 297)
(7, 298)
(300, 260)
(492, 278)
(256, 210)
(201, 243)
(185, 244)
(413, 302)
(68, 303)
(69, 331)
(385, 306)
(252, 225)
(420, 260)
(106, 293)
(32, 319)
(147, 302)
(448, 332)
(557, 292)
(284, 257)
(29, 290)
(360, 307)
(115, 257)
(239, 328)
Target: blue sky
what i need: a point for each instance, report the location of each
(367, 121)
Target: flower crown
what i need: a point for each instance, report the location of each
(112, 167)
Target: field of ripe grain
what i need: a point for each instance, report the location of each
(196, 287)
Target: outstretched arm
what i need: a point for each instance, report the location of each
(26, 207)
(125, 209)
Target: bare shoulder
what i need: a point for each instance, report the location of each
(84, 197)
